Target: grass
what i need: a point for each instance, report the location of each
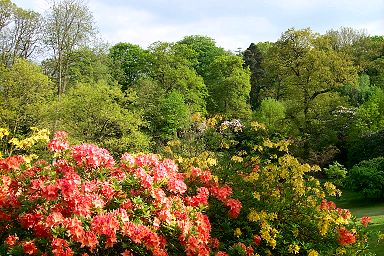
(363, 207)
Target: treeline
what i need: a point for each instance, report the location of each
(323, 91)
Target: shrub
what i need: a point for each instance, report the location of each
(86, 203)
(367, 177)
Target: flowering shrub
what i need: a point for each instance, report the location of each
(284, 207)
(85, 203)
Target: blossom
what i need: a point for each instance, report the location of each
(237, 232)
(59, 142)
(234, 207)
(256, 239)
(346, 237)
(11, 240)
(365, 220)
(313, 253)
(91, 156)
(176, 186)
(30, 248)
(293, 248)
(11, 163)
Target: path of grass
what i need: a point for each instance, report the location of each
(362, 207)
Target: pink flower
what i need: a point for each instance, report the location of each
(176, 186)
(91, 156)
(59, 142)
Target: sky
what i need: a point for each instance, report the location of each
(233, 24)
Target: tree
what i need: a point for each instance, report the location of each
(229, 87)
(171, 66)
(24, 92)
(99, 113)
(68, 25)
(88, 65)
(272, 113)
(310, 72)
(206, 50)
(20, 35)
(253, 59)
(129, 62)
(175, 115)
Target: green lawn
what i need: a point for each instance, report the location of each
(363, 207)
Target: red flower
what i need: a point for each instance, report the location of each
(29, 247)
(91, 156)
(257, 239)
(11, 240)
(59, 142)
(365, 220)
(346, 237)
(11, 163)
(176, 186)
(234, 207)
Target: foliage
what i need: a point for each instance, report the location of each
(367, 177)
(272, 113)
(101, 114)
(128, 63)
(206, 52)
(175, 115)
(336, 173)
(24, 92)
(285, 210)
(307, 74)
(229, 87)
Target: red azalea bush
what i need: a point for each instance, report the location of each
(85, 203)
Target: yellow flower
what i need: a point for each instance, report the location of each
(238, 159)
(237, 232)
(340, 251)
(3, 132)
(293, 248)
(256, 195)
(313, 253)
(253, 216)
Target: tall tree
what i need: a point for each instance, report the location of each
(253, 59)
(21, 34)
(23, 93)
(69, 24)
(311, 72)
(229, 86)
(128, 63)
(206, 51)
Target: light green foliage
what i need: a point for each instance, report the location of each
(88, 65)
(101, 114)
(175, 115)
(272, 113)
(336, 173)
(24, 90)
(206, 50)
(229, 87)
(128, 63)
(172, 68)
